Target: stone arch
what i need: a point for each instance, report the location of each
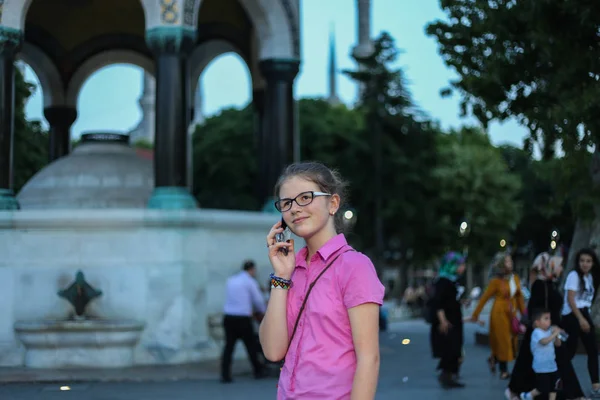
(100, 60)
(14, 12)
(205, 53)
(274, 21)
(50, 80)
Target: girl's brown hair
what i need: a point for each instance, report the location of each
(327, 179)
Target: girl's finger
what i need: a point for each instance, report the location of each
(273, 249)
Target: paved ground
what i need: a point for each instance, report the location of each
(407, 372)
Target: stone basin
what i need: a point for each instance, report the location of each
(92, 343)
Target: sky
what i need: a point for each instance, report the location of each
(109, 99)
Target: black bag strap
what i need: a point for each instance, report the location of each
(308, 293)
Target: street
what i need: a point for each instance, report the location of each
(407, 372)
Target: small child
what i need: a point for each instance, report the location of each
(543, 340)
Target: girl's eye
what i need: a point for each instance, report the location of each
(306, 197)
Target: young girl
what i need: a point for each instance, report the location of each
(323, 312)
(580, 289)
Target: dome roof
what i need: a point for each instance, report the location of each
(103, 171)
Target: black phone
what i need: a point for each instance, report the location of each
(283, 236)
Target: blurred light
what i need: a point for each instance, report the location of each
(554, 234)
(464, 226)
(64, 388)
(405, 341)
(348, 214)
(553, 244)
(502, 243)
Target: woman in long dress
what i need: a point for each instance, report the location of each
(447, 322)
(505, 288)
(546, 270)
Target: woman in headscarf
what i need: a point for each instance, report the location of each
(506, 290)
(447, 323)
(545, 272)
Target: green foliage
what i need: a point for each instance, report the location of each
(225, 161)
(512, 61)
(475, 185)
(30, 141)
(143, 144)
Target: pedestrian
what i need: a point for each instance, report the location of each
(545, 273)
(543, 340)
(580, 290)
(323, 312)
(446, 334)
(505, 288)
(243, 300)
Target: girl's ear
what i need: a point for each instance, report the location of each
(334, 204)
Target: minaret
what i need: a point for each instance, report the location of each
(147, 102)
(333, 98)
(364, 47)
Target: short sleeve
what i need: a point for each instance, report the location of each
(536, 336)
(572, 282)
(359, 283)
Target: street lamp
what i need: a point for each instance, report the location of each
(502, 243)
(554, 238)
(349, 218)
(463, 229)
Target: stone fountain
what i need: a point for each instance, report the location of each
(79, 341)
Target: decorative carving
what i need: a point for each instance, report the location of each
(294, 30)
(79, 294)
(188, 13)
(169, 12)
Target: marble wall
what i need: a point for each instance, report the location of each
(164, 268)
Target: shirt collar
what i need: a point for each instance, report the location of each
(330, 247)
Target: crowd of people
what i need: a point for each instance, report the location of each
(549, 327)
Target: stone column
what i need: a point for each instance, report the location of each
(10, 40)
(60, 119)
(171, 46)
(278, 140)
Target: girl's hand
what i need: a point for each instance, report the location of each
(283, 265)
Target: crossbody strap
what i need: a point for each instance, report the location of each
(308, 293)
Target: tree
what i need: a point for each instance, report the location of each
(401, 149)
(545, 207)
(225, 164)
(475, 186)
(512, 62)
(30, 140)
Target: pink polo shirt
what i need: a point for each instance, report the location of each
(321, 361)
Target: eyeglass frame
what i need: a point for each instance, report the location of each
(314, 195)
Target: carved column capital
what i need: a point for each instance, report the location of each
(171, 39)
(276, 69)
(10, 40)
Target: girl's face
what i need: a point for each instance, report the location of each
(508, 264)
(585, 263)
(461, 269)
(306, 221)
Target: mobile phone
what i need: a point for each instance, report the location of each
(283, 236)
